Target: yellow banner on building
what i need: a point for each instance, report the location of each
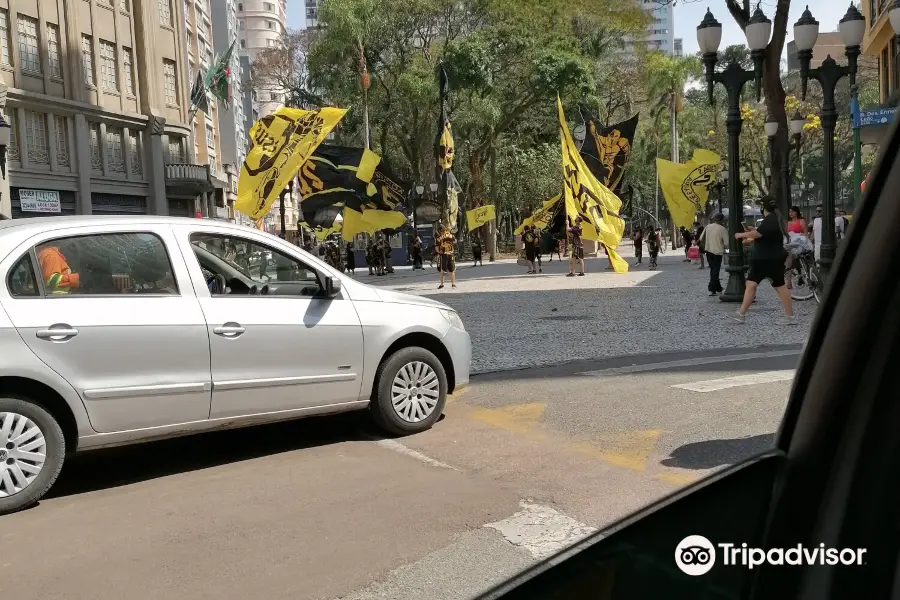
(280, 144)
(686, 186)
(479, 216)
(586, 197)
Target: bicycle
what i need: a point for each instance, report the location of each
(806, 284)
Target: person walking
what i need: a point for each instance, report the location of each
(576, 245)
(446, 245)
(638, 238)
(687, 238)
(654, 242)
(528, 237)
(767, 262)
(476, 249)
(698, 232)
(417, 252)
(351, 259)
(556, 246)
(714, 240)
(537, 250)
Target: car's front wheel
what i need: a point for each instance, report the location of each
(32, 450)
(411, 392)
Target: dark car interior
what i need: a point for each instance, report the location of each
(227, 279)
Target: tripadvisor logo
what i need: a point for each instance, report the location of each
(696, 555)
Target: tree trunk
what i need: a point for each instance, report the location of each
(775, 97)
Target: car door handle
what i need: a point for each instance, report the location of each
(57, 333)
(229, 330)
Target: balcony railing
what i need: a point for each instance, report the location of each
(195, 179)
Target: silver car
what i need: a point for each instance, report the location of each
(115, 330)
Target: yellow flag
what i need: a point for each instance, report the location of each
(281, 143)
(686, 186)
(541, 217)
(481, 215)
(586, 197)
(322, 233)
(369, 221)
(445, 160)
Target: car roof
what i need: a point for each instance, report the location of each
(44, 223)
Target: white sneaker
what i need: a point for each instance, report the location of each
(737, 316)
(786, 320)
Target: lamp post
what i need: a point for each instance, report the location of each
(806, 31)
(5, 131)
(733, 78)
(720, 186)
(771, 128)
(798, 121)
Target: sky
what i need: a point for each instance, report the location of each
(689, 13)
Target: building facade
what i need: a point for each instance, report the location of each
(881, 44)
(660, 31)
(98, 108)
(311, 16)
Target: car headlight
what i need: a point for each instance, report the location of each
(453, 318)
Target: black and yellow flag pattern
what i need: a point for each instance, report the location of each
(445, 160)
(280, 144)
(607, 150)
(685, 186)
(589, 199)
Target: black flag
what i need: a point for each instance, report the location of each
(607, 149)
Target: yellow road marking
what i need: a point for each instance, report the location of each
(519, 418)
(630, 450)
(677, 478)
(455, 395)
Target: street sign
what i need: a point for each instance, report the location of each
(879, 116)
(39, 201)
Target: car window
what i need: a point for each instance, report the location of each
(21, 281)
(106, 264)
(246, 263)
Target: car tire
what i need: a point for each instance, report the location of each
(425, 375)
(54, 450)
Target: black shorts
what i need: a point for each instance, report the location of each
(577, 252)
(530, 254)
(767, 268)
(448, 265)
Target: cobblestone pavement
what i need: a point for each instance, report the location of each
(520, 321)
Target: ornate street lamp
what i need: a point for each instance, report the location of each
(771, 128)
(797, 123)
(733, 78)
(806, 31)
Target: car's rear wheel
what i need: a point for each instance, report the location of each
(411, 392)
(32, 451)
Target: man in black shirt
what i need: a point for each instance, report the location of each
(767, 262)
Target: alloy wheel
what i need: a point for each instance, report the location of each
(415, 391)
(23, 451)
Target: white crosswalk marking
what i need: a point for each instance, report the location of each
(713, 385)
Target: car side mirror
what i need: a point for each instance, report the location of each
(332, 287)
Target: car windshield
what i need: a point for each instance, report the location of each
(573, 261)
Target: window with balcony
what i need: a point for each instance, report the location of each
(29, 58)
(176, 150)
(134, 146)
(165, 12)
(115, 152)
(4, 37)
(108, 76)
(210, 136)
(53, 51)
(87, 58)
(12, 152)
(61, 129)
(171, 82)
(94, 143)
(128, 70)
(36, 144)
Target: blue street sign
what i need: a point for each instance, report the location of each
(854, 112)
(879, 116)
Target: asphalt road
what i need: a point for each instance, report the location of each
(523, 463)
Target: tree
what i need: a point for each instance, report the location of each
(282, 70)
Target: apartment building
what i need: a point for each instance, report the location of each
(98, 108)
(311, 16)
(261, 23)
(660, 30)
